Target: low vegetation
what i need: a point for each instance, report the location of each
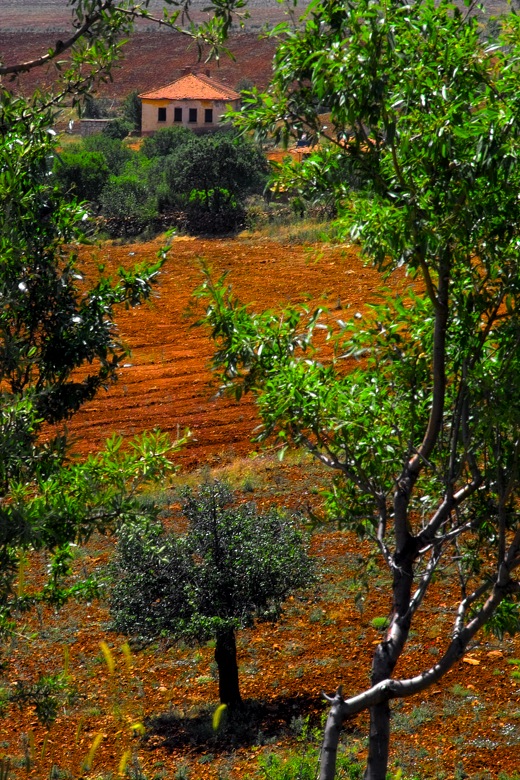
(176, 178)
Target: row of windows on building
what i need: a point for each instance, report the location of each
(192, 115)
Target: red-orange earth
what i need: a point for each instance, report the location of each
(467, 724)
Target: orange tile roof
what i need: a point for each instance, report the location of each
(192, 86)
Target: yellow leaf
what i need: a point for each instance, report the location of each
(217, 716)
(122, 764)
(109, 658)
(87, 764)
(125, 649)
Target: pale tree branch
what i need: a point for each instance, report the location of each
(381, 531)
(438, 371)
(426, 578)
(450, 502)
(328, 458)
(466, 603)
(391, 689)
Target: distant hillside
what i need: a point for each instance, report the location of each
(150, 60)
(153, 57)
(52, 15)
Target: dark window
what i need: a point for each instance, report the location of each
(161, 115)
(192, 116)
(177, 114)
(208, 115)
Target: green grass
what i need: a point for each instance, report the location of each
(410, 722)
(380, 623)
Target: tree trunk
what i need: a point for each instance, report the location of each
(386, 656)
(226, 660)
(379, 734)
(379, 742)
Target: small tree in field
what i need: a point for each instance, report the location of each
(232, 567)
(423, 435)
(209, 175)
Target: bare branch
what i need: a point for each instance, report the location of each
(381, 531)
(393, 689)
(466, 603)
(427, 535)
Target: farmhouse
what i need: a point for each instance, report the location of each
(194, 100)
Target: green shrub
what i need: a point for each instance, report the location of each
(118, 128)
(232, 566)
(128, 197)
(220, 161)
(116, 154)
(81, 173)
(380, 623)
(165, 141)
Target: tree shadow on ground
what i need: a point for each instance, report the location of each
(256, 723)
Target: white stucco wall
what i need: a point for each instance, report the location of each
(150, 123)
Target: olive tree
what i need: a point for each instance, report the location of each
(422, 434)
(208, 176)
(233, 566)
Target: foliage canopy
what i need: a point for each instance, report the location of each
(423, 433)
(53, 324)
(207, 178)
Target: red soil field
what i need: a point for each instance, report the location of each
(167, 381)
(169, 385)
(151, 59)
(468, 723)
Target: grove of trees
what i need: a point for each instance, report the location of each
(423, 436)
(206, 178)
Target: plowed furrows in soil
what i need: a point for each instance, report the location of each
(167, 382)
